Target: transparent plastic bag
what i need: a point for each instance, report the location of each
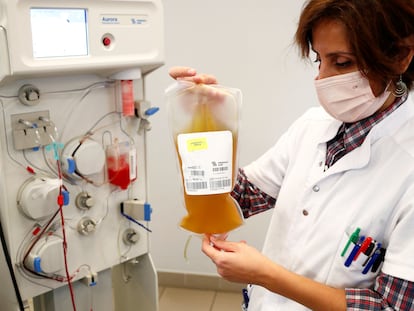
(121, 164)
(204, 122)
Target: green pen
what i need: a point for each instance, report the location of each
(353, 238)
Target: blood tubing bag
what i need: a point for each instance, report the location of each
(204, 121)
(120, 164)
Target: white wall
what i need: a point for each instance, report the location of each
(246, 44)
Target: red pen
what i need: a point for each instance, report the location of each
(364, 247)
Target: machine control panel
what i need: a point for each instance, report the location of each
(104, 37)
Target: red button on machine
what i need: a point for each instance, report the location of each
(106, 41)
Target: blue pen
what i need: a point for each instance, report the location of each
(379, 260)
(373, 259)
(355, 250)
(245, 299)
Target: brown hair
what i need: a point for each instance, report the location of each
(375, 28)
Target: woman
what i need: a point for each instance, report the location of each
(335, 240)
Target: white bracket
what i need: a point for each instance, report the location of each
(32, 130)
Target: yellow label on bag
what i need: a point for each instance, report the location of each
(196, 144)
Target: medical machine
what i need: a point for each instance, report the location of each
(75, 217)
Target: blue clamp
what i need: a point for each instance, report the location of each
(71, 165)
(36, 265)
(146, 207)
(151, 111)
(147, 212)
(34, 125)
(65, 197)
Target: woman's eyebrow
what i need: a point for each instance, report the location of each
(333, 53)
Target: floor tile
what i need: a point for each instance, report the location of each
(227, 301)
(160, 291)
(182, 299)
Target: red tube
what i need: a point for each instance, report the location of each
(127, 91)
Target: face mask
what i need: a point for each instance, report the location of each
(348, 97)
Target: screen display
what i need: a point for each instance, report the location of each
(59, 32)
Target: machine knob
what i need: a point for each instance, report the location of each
(130, 237)
(86, 226)
(84, 201)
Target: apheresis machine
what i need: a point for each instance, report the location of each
(74, 212)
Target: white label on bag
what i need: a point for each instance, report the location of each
(207, 159)
(132, 164)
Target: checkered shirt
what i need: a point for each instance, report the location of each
(352, 135)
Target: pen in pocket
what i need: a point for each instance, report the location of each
(245, 304)
(370, 252)
(364, 246)
(379, 260)
(352, 239)
(371, 260)
(354, 252)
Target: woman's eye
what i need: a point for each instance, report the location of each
(344, 64)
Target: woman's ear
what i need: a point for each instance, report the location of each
(406, 55)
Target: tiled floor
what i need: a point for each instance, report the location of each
(184, 299)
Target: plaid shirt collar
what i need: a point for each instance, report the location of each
(352, 135)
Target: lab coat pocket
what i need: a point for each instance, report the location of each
(347, 266)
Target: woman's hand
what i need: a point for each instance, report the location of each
(239, 262)
(190, 74)
(236, 261)
(202, 90)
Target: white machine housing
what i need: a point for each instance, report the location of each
(118, 35)
(73, 84)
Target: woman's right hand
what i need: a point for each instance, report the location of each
(190, 74)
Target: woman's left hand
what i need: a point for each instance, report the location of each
(236, 261)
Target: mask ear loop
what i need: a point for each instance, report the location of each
(400, 88)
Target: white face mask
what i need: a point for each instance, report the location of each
(348, 97)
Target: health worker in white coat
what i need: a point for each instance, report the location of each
(341, 178)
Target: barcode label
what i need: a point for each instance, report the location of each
(197, 173)
(219, 184)
(207, 162)
(194, 186)
(220, 169)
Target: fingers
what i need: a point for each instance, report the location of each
(190, 74)
(208, 247)
(221, 236)
(182, 72)
(205, 79)
(221, 245)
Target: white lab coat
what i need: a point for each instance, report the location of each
(371, 187)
